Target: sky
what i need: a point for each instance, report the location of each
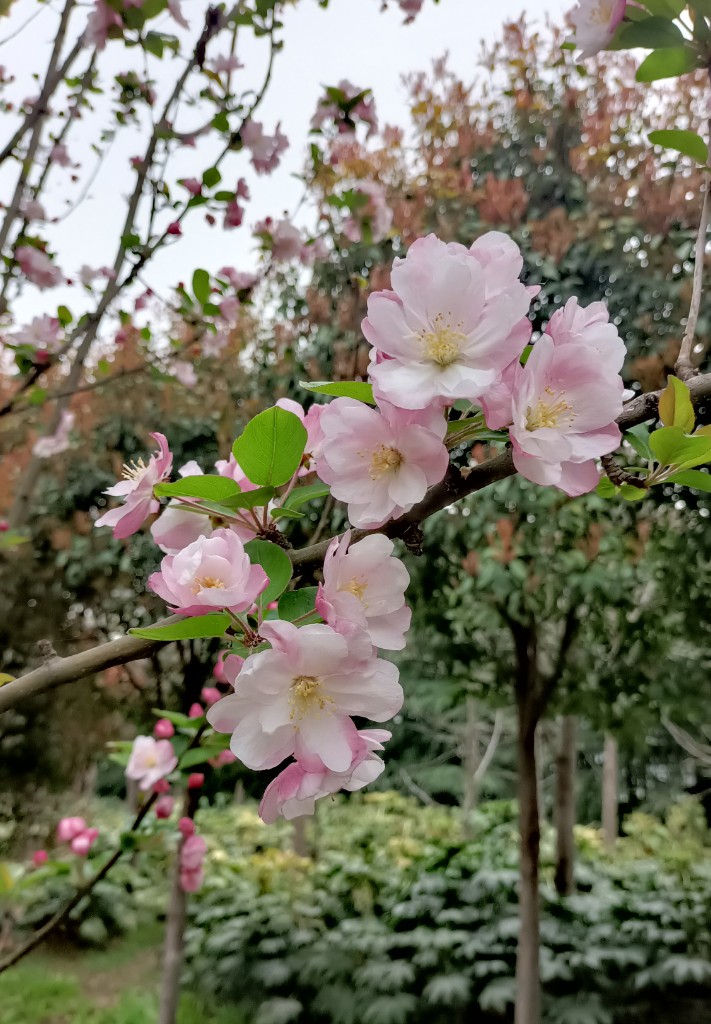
(352, 39)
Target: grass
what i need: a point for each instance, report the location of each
(118, 985)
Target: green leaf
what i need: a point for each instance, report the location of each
(297, 603)
(276, 564)
(190, 628)
(665, 8)
(638, 437)
(606, 488)
(675, 408)
(688, 143)
(199, 755)
(179, 720)
(154, 43)
(666, 64)
(672, 447)
(201, 286)
(302, 495)
(695, 478)
(216, 488)
(211, 177)
(270, 448)
(357, 389)
(64, 315)
(650, 34)
(630, 493)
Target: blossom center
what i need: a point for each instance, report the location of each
(306, 696)
(134, 470)
(384, 460)
(357, 586)
(602, 15)
(443, 342)
(208, 583)
(551, 410)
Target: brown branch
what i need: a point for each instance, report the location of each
(620, 476)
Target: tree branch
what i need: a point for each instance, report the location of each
(685, 367)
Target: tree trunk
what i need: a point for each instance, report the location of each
(609, 793)
(470, 763)
(527, 957)
(173, 949)
(564, 812)
(541, 760)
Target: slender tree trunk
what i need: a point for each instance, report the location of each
(610, 792)
(470, 763)
(527, 958)
(564, 812)
(541, 739)
(173, 950)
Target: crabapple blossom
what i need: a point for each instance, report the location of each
(210, 694)
(196, 710)
(281, 237)
(160, 787)
(82, 843)
(380, 462)
(565, 403)
(37, 267)
(196, 780)
(410, 8)
(39, 857)
(150, 761)
(41, 332)
(371, 217)
(137, 490)
(175, 527)
(58, 442)
(185, 373)
(294, 791)
(32, 209)
(192, 855)
(70, 828)
(59, 154)
(101, 20)
(225, 63)
(364, 586)
(266, 149)
(186, 827)
(298, 697)
(164, 807)
(594, 24)
(163, 729)
(211, 573)
(446, 329)
(589, 326)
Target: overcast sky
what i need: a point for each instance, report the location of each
(352, 39)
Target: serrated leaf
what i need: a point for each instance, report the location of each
(270, 448)
(276, 564)
(675, 408)
(688, 143)
(192, 628)
(358, 389)
(666, 64)
(214, 488)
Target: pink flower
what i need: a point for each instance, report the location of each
(196, 710)
(87, 275)
(175, 528)
(565, 403)
(164, 807)
(295, 790)
(186, 827)
(212, 572)
(192, 855)
(33, 209)
(196, 780)
(329, 110)
(266, 150)
(364, 587)
(160, 787)
(210, 694)
(225, 63)
(42, 332)
(150, 761)
(447, 326)
(184, 373)
(101, 21)
(174, 228)
(380, 462)
(37, 267)
(239, 279)
(229, 309)
(82, 843)
(373, 217)
(410, 8)
(282, 238)
(234, 215)
(193, 186)
(589, 326)
(595, 23)
(39, 857)
(176, 12)
(137, 490)
(298, 697)
(227, 667)
(163, 729)
(70, 828)
(59, 154)
(56, 443)
(224, 758)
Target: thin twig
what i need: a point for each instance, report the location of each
(685, 365)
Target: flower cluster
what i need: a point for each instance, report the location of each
(77, 834)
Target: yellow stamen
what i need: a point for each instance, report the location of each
(306, 696)
(208, 583)
(442, 344)
(550, 410)
(357, 587)
(384, 460)
(134, 470)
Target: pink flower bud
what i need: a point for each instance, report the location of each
(186, 827)
(70, 828)
(136, 162)
(164, 807)
(210, 694)
(4, 526)
(40, 857)
(84, 842)
(225, 757)
(193, 186)
(272, 606)
(174, 228)
(195, 780)
(163, 729)
(161, 786)
(196, 711)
